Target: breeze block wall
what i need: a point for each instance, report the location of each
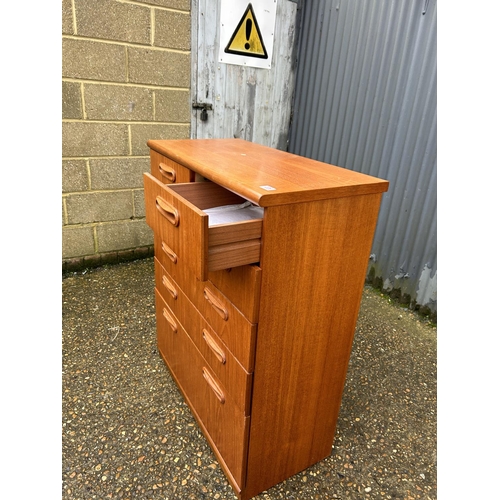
(126, 69)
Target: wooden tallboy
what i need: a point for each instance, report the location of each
(256, 314)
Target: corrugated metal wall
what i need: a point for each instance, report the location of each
(366, 100)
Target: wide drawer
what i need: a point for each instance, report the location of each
(236, 380)
(238, 285)
(169, 171)
(220, 419)
(235, 331)
(176, 212)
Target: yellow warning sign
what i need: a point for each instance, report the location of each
(247, 39)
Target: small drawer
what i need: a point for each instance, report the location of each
(220, 419)
(213, 323)
(176, 212)
(240, 285)
(168, 171)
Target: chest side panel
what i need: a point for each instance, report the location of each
(314, 261)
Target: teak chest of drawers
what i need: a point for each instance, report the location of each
(256, 317)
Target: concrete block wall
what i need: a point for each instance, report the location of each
(126, 70)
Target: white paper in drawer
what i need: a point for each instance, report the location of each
(233, 213)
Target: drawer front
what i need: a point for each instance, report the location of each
(223, 423)
(212, 308)
(182, 225)
(235, 379)
(176, 213)
(240, 285)
(168, 171)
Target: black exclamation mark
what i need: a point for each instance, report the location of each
(248, 32)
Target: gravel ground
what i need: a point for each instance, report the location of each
(127, 434)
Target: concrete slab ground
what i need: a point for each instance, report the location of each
(127, 433)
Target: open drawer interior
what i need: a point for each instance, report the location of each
(206, 226)
(221, 206)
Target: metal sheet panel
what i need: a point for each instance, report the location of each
(366, 100)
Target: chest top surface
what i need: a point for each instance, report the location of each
(264, 175)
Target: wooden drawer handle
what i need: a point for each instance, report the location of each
(219, 353)
(167, 172)
(168, 211)
(170, 253)
(215, 303)
(213, 385)
(168, 285)
(170, 320)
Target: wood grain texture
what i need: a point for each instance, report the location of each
(205, 195)
(314, 262)
(232, 232)
(231, 374)
(189, 238)
(241, 285)
(237, 332)
(167, 170)
(250, 169)
(224, 425)
(233, 254)
(176, 212)
(313, 248)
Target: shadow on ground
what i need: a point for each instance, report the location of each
(127, 433)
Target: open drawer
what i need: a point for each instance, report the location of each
(177, 213)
